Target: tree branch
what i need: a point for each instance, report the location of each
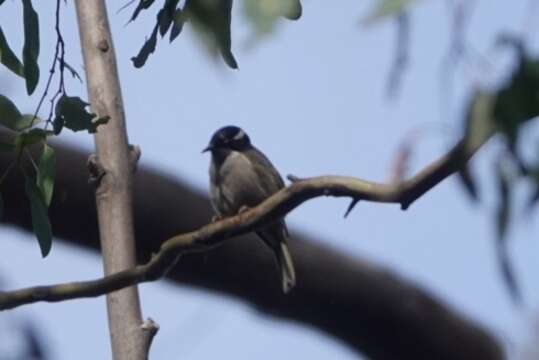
(368, 307)
(276, 206)
(213, 234)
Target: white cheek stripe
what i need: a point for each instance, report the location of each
(239, 135)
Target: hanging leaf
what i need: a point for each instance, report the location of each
(73, 72)
(30, 137)
(503, 215)
(165, 16)
(30, 51)
(8, 58)
(71, 113)
(147, 49)
(177, 25)
(479, 125)
(517, 99)
(468, 182)
(9, 114)
(264, 14)
(46, 173)
(40, 218)
(143, 4)
(12, 118)
(385, 9)
(213, 18)
(534, 178)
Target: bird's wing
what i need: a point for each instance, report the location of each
(269, 177)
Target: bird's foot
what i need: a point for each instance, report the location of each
(243, 209)
(216, 218)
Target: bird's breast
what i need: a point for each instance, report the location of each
(235, 183)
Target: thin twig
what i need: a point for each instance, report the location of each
(59, 54)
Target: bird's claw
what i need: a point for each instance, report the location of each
(216, 218)
(243, 209)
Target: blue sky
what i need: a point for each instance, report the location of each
(312, 97)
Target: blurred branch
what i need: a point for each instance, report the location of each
(366, 306)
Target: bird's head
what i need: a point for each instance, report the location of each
(228, 138)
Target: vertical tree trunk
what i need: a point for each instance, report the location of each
(129, 337)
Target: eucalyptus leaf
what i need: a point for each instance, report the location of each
(28, 120)
(177, 24)
(517, 100)
(40, 218)
(31, 137)
(8, 58)
(71, 112)
(9, 114)
(165, 16)
(142, 4)
(30, 52)
(213, 18)
(385, 9)
(11, 117)
(503, 216)
(73, 72)
(146, 50)
(264, 14)
(468, 182)
(479, 119)
(46, 173)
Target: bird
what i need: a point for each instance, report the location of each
(241, 177)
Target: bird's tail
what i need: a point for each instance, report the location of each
(288, 274)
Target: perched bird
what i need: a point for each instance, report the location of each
(241, 176)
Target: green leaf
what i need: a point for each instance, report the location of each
(6, 147)
(73, 72)
(385, 9)
(264, 14)
(46, 173)
(9, 114)
(177, 25)
(28, 120)
(213, 18)
(40, 217)
(165, 17)
(71, 113)
(479, 125)
(30, 51)
(12, 118)
(468, 182)
(503, 216)
(143, 4)
(517, 101)
(8, 58)
(31, 137)
(146, 50)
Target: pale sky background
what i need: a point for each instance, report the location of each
(312, 97)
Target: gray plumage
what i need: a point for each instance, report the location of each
(242, 176)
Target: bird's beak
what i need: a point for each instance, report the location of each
(208, 148)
